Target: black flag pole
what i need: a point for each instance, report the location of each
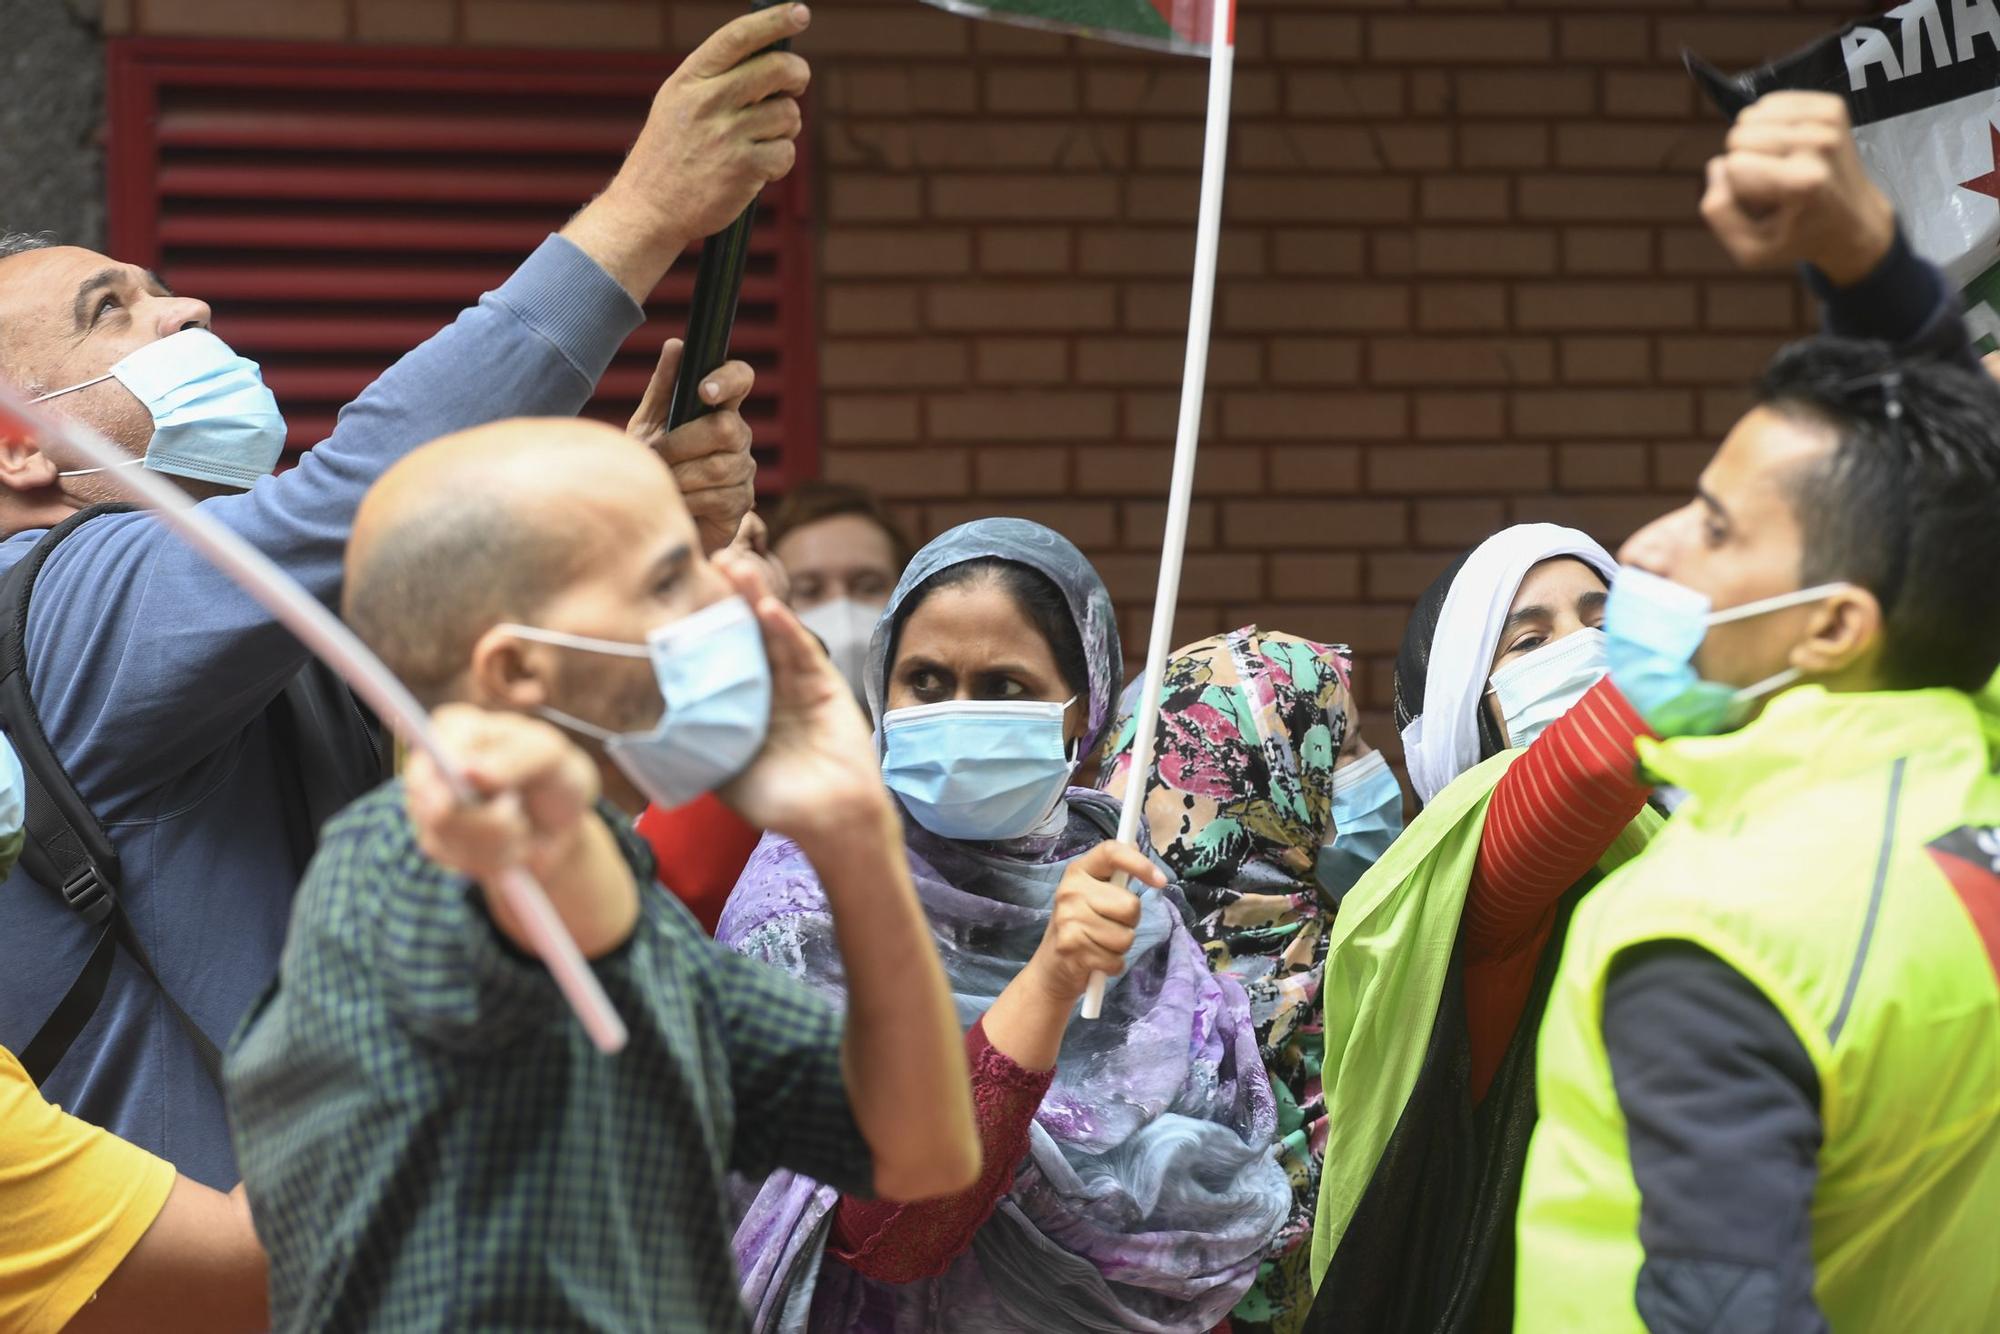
(718, 282)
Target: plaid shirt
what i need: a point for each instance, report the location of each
(431, 1143)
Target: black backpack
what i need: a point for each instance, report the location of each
(340, 750)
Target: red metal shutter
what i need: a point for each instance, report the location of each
(339, 204)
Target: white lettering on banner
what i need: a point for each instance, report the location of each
(1970, 19)
(1923, 26)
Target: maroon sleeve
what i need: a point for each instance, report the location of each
(1552, 816)
(900, 1243)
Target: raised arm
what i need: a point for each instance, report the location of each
(143, 658)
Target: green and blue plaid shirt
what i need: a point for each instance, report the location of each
(430, 1142)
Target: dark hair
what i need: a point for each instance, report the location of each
(1413, 660)
(809, 502)
(1033, 592)
(1907, 504)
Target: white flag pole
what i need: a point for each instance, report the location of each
(322, 632)
(1187, 441)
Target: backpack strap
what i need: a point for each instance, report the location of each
(66, 849)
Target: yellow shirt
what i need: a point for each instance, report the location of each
(74, 1201)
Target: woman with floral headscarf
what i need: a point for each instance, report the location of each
(1129, 1182)
(1267, 806)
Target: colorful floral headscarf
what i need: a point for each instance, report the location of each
(1251, 730)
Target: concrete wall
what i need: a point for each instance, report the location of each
(1464, 279)
(51, 104)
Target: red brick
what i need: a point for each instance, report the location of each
(1025, 250)
(1303, 577)
(1402, 576)
(1315, 469)
(1484, 250)
(1033, 361)
(1526, 93)
(429, 22)
(1264, 307)
(1367, 629)
(856, 252)
(1567, 414)
(1156, 415)
(1318, 250)
(1608, 198)
(1021, 470)
(1318, 199)
(1458, 524)
(1143, 525)
(1036, 90)
(867, 419)
(1447, 41)
(1153, 307)
(846, 30)
(867, 363)
(1503, 144)
(1030, 144)
(1606, 359)
(1712, 360)
(1608, 518)
(854, 197)
(1430, 93)
(1597, 39)
(1146, 470)
(1602, 467)
(1023, 416)
(1720, 409)
(1735, 43)
(902, 473)
(1359, 95)
(1480, 470)
(1089, 524)
(1607, 250)
(612, 24)
(1392, 254)
(985, 198)
(1771, 304)
(1461, 416)
(1281, 415)
(1470, 361)
(1625, 145)
(1007, 39)
(1315, 361)
(1468, 198)
(1161, 361)
(1693, 250)
(1126, 250)
(1260, 524)
(1157, 198)
(1581, 306)
(1006, 306)
(1270, 147)
(1133, 577)
(1313, 37)
(1455, 307)
(853, 308)
(1415, 147)
(1632, 93)
(1677, 464)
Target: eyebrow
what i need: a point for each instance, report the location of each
(1591, 602)
(1707, 498)
(104, 281)
(1525, 616)
(671, 565)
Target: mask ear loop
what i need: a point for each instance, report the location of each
(58, 393)
(85, 472)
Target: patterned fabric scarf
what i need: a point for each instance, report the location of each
(1251, 729)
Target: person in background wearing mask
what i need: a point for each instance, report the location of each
(154, 677)
(1770, 1069)
(1481, 885)
(844, 554)
(100, 1234)
(1129, 1179)
(1266, 804)
(429, 1140)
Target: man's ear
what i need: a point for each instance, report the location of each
(1841, 633)
(508, 672)
(24, 469)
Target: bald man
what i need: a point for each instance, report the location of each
(428, 1139)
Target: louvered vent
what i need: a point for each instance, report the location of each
(338, 204)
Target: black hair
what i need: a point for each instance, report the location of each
(1413, 661)
(1032, 591)
(1907, 503)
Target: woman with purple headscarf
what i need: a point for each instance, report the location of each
(1130, 1183)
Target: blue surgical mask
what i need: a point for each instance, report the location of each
(1652, 628)
(715, 681)
(1367, 816)
(979, 770)
(1540, 687)
(213, 418)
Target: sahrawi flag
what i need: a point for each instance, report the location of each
(1164, 25)
(1922, 83)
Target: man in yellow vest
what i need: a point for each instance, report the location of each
(1769, 1076)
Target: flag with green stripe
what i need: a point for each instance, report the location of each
(1164, 25)
(1922, 84)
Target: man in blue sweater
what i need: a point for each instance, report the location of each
(154, 677)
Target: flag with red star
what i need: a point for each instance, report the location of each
(1922, 84)
(1163, 25)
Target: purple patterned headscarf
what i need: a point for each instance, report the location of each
(1150, 1190)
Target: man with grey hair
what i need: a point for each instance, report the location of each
(162, 689)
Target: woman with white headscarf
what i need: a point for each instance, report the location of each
(1521, 752)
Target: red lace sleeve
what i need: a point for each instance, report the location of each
(900, 1243)
(1552, 816)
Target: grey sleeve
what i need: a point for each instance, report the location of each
(1721, 1106)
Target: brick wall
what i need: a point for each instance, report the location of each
(1463, 279)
